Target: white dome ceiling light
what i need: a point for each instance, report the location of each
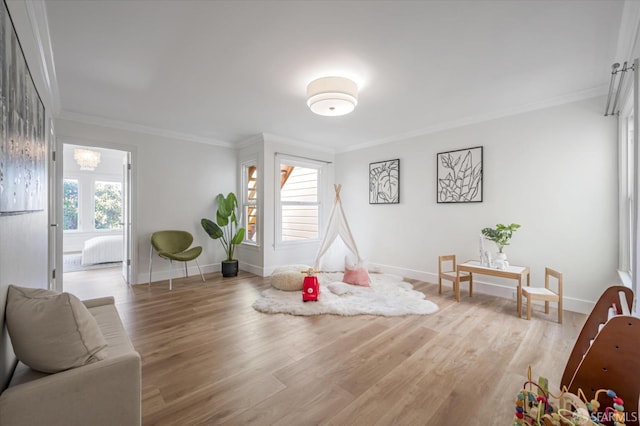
(332, 96)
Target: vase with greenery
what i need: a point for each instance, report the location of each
(227, 230)
(500, 235)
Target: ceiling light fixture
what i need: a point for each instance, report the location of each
(86, 159)
(332, 96)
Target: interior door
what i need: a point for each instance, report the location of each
(126, 217)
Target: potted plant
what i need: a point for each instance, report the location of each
(226, 230)
(500, 235)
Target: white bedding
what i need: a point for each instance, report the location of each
(107, 248)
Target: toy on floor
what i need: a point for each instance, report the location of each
(310, 286)
(537, 406)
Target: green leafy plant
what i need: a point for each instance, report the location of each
(501, 234)
(108, 205)
(226, 229)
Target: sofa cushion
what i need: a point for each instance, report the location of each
(52, 331)
(112, 329)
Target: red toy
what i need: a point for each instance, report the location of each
(310, 286)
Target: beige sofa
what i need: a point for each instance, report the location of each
(106, 392)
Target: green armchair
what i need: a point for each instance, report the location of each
(174, 245)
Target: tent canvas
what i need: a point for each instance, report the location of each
(337, 227)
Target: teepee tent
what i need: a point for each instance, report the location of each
(337, 226)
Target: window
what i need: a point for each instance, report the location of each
(299, 201)
(107, 205)
(250, 201)
(90, 205)
(70, 204)
(627, 194)
(630, 191)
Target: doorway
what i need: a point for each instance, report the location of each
(95, 220)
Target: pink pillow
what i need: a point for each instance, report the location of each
(356, 276)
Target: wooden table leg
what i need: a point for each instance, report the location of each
(520, 287)
(456, 286)
(519, 297)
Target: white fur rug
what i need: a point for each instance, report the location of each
(387, 296)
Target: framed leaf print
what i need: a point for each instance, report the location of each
(460, 176)
(384, 182)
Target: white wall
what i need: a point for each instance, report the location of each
(23, 238)
(553, 171)
(175, 185)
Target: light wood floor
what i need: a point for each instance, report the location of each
(209, 358)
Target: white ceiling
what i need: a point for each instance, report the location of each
(224, 71)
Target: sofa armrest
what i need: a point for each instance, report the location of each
(105, 393)
(101, 301)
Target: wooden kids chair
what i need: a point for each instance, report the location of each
(545, 293)
(452, 274)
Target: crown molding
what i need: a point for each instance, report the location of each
(37, 12)
(559, 100)
(269, 137)
(251, 140)
(139, 128)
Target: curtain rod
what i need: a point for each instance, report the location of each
(614, 72)
(304, 158)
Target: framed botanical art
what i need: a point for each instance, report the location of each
(384, 182)
(459, 177)
(22, 135)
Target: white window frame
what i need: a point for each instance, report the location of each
(320, 166)
(245, 202)
(627, 191)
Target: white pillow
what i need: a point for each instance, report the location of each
(52, 331)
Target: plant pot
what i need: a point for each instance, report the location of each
(501, 261)
(229, 268)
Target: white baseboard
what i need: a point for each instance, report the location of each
(254, 269)
(480, 286)
(163, 273)
(178, 272)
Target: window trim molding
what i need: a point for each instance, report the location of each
(625, 175)
(245, 202)
(629, 188)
